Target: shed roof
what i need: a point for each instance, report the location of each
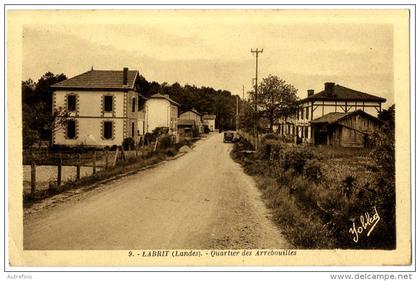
(341, 93)
(193, 111)
(99, 79)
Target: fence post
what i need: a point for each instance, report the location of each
(123, 153)
(115, 157)
(106, 158)
(156, 144)
(137, 151)
(94, 162)
(124, 158)
(33, 177)
(60, 162)
(78, 167)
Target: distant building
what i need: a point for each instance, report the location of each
(351, 129)
(333, 99)
(161, 111)
(103, 106)
(209, 120)
(190, 120)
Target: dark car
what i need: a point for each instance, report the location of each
(228, 136)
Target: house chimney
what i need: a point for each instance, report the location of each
(329, 88)
(125, 75)
(310, 92)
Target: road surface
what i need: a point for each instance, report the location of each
(202, 200)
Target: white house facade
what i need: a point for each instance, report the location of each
(103, 108)
(210, 121)
(161, 111)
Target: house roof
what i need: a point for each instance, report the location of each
(341, 93)
(99, 79)
(209, 117)
(334, 117)
(192, 110)
(166, 97)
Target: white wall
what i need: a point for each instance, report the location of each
(158, 114)
(89, 132)
(90, 102)
(211, 124)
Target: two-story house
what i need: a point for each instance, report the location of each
(161, 111)
(333, 99)
(103, 106)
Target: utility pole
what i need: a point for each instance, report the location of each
(243, 99)
(237, 113)
(256, 52)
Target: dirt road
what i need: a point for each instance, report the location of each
(202, 200)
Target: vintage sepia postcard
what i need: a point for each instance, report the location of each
(204, 137)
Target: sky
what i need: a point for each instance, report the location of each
(206, 48)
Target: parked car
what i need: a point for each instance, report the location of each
(236, 137)
(228, 136)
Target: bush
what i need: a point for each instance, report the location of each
(313, 170)
(295, 158)
(195, 132)
(30, 137)
(271, 136)
(269, 150)
(129, 143)
(160, 131)
(287, 139)
(165, 141)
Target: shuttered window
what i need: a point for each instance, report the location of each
(133, 105)
(71, 129)
(108, 128)
(108, 103)
(132, 130)
(71, 103)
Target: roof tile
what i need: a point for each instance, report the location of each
(342, 93)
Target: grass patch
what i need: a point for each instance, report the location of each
(315, 194)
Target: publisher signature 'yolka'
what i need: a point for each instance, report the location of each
(366, 222)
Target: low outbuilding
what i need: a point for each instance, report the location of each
(351, 129)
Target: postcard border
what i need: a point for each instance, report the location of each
(412, 87)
